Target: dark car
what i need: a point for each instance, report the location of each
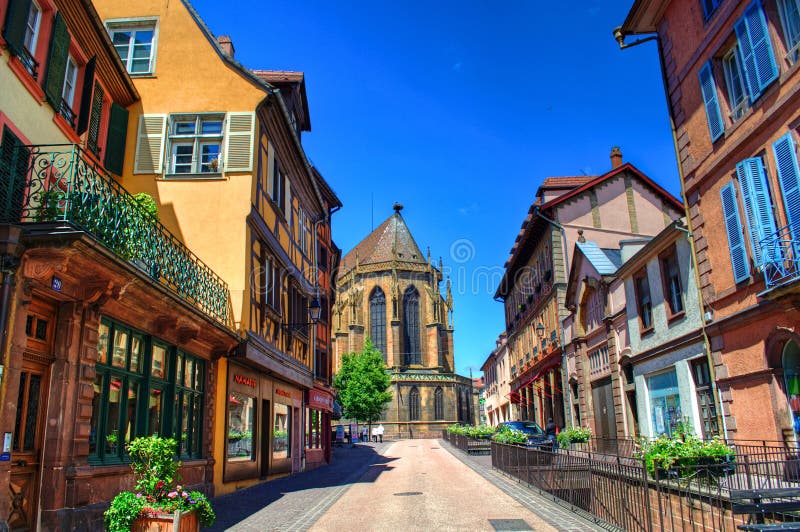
(536, 436)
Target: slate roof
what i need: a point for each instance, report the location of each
(601, 262)
(378, 245)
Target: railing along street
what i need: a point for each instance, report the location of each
(60, 183)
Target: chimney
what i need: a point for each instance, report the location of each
(226, 44)
(616, 157)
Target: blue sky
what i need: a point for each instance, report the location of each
(459, 110)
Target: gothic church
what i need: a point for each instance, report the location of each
(387, 291)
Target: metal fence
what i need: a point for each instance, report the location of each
(467, 444)
(619, 491)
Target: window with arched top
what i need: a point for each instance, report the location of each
(377, 320)
(413, 404)
(411, 326)
(438, 403)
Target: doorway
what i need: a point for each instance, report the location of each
(604, 416)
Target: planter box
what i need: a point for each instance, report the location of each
(177, 522)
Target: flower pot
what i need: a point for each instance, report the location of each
(175, 522)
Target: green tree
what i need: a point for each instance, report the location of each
(363, 384)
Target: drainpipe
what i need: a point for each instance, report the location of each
(620, 37)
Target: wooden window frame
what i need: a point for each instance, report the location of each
(642, 275)
(671, 253)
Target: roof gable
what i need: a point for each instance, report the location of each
(391, 240)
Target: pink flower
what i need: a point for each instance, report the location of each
(178, 487)
(172, 494)
(184, 494)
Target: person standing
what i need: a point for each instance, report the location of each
(379, 430)
(551, 431)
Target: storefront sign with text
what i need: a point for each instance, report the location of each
(247, 381)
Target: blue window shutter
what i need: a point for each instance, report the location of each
(756, 52)
(733, 226)
(709, 89)
(789, 179)
(757, 206)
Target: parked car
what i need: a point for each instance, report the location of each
(535, 433)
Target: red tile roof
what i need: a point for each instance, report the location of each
(379, 244)
(566, 181)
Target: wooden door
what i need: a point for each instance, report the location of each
(26, 448)
(29, 425)
(604, 416)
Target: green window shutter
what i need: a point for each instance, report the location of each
(758, 206)
(733, 226)
(16, 21)
(95, 119)
(57, 62)
(14, 158)
(115, 140)
(239, 142)
(709, 89)
(86, 95)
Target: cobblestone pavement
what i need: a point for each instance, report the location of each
(345, 494)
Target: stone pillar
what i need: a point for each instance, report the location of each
(397, 351)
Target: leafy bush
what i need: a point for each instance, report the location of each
(506, 434)
(157, 488)
(665, 453)
(574, 435)
(471, 431)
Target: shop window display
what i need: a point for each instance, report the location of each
(665, 403)
(241, 427)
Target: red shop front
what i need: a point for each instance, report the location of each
(319, 407)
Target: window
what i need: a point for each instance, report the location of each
(22, 32)
(671, 280)
(785, 151)
(753, 183)
(241, 427)
(135, 44)
(705, 397)
(643, 301)
(413, 404)
(304, 232)
(377, 320)
(438, 403)
(68, 91)
(281, 432)
(277, 194)
(665, 403)
(32, 28)
(737, 98)
(411, 326)
(755, 49)
(313, 429)
(134, 379)
(790, 19)
(709, 6)
(196, 144)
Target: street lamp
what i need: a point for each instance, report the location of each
(314, 311)
(540, 330)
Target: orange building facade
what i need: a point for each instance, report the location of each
(731, 75)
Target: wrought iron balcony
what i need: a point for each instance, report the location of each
(781, 253)
(60, 183)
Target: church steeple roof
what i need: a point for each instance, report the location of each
(391, 240)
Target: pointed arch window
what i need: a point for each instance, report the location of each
(413, 404)
(438, 403)
(411, 326)
(377, 320)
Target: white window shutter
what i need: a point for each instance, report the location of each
(150, 144)
(239, 142)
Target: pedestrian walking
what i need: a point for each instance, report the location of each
(374, 434)
(551, 431)
(365, 434)
(379, 430)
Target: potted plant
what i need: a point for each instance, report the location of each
(574, 435)
(158, 500)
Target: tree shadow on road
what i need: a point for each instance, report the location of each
(349, 465)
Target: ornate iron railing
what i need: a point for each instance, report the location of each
(781, 253)
(62, 184)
